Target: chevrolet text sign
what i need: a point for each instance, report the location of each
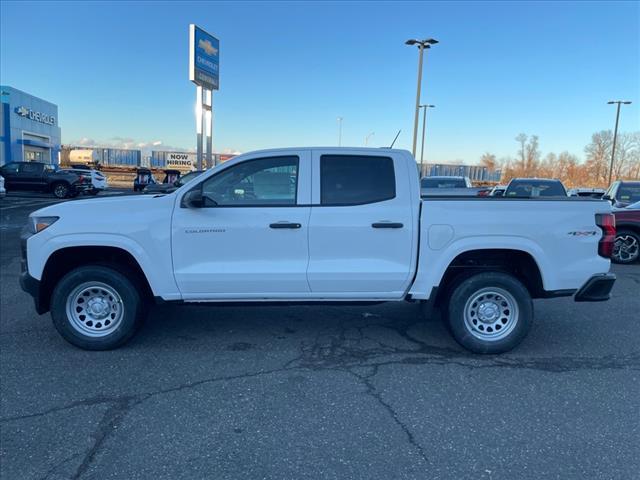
(36, 116)
(204, 58)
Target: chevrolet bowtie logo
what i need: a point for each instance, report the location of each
(207, 47)
(22, 111)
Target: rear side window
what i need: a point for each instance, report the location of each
(356, 180)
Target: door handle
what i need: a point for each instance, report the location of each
(387, 225)
(284, 225)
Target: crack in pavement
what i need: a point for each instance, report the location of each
(377, 396)
(368, 342)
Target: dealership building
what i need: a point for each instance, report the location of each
(29, 128)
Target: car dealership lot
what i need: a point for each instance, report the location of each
(317, 392)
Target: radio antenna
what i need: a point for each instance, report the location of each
(394, 140)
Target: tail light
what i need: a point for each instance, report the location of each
(607, 222)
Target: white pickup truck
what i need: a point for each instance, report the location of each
(315, 225)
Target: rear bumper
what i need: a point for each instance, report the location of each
(596, 289)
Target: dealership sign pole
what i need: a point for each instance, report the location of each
(204, 71)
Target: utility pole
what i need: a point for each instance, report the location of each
(615, 133)
(339, 131)
(422, 44)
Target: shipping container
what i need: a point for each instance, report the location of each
(118, 157)
(476, 173)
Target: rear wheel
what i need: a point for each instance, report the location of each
(626, 248)
(60, 190)
(490, 312)
(96, 308)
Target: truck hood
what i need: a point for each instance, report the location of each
(112, 205)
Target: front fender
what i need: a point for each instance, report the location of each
(157, 268)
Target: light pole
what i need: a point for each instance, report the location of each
(422, 44)
(366, 139)
(615, 133)
(424, 124)
(339, 131)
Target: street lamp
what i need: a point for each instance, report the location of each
(366, 139)
(422, 44)
(615, 132)
(339, 131)
(424, 124)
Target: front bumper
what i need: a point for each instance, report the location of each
(596, 289)
(29, 284)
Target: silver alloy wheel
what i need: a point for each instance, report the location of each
(60, 191)
(626, 248)
(94, 309)
(490, 314)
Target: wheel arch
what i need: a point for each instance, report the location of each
(66, 259)
(518, 263)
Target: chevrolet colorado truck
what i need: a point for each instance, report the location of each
(315, 225)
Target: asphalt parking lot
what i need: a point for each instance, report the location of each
(369, 392)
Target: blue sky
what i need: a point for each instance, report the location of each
(119, 71)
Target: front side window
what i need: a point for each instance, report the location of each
(30, 168)
(356, 180)
(628, 192)
(260, 182)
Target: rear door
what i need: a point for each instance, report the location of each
(360, 231)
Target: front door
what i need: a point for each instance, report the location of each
(249, 240)
(30, 176)
(362, 231)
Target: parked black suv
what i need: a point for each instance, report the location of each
(37, 176)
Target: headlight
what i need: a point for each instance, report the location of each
(37, 224)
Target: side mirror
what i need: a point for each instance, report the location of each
(193, 199)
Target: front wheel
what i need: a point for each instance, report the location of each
(61, 190)
(626, 248)
(490, 312)
(96, 308)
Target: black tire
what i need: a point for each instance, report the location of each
(60, 190)
(633, 240)
(132, 306)
(94, 191)
(503, 328)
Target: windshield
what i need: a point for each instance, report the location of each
(629, 193)
(188, 177)
(433, 182)
(535, 189)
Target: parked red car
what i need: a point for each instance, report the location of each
(627, 245)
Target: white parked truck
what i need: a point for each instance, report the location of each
(315, 225)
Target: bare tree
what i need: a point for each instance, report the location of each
(489, 160)
(598, 154)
